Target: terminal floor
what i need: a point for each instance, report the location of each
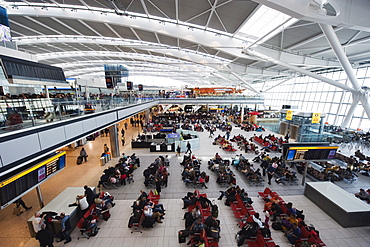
(14, 231)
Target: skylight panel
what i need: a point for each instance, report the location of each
(265, 23)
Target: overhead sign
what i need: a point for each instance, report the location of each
(289, 115)
(310, 153)
(315, 117)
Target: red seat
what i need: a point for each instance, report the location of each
(265, 194)
(243, 213)
(259, 242)
(84, 232)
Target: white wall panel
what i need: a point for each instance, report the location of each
(19, 148)
(89, 124)
(100, 120)
(124, 112)
(73, 130)
(111, 117)
(51, 137)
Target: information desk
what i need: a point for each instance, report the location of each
(341, 205)
(60, 204)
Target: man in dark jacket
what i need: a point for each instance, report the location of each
(45, 237)
(90, 195)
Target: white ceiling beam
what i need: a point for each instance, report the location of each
(213, 9)
(228, 45)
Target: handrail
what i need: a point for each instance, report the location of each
(18, 114)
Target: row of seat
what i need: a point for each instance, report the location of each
(242, 211)
(155, 199)
(93, 213)
(205, 212)
(305, 234)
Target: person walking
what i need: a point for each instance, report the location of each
(188, 146)
(123, 140)
(178, 150)
(83, 154)
(20, 202)
(125, 125)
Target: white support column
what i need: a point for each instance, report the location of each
(245, 82)
(351, 111)
(242, 114)
(338, 50)
(46, 91)
(264, 57)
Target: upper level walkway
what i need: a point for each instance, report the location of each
(35, 127)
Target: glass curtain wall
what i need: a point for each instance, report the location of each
(309, 94)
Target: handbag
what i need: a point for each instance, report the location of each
(17, 211)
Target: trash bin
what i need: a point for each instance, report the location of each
(102, 161)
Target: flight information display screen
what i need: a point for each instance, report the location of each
(310, 153)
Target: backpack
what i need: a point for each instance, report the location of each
(214, 211)
(249, 230)
(277, 226)
(266, 233)
(215, 233)
(148, 222)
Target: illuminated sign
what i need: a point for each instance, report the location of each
(310, 153)
(289, 115)
(315, 118)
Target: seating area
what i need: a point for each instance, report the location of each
(138, 218)
(307, 232)
(206, 210)
(252, 175)
(224, 144)
(191, 174)
(220, 167)
(242, 211)
(122, 172)
(269, 143)
(87, 225)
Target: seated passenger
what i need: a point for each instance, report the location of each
(148, 212)
(293, 234)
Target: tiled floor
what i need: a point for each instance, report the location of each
(115, 231)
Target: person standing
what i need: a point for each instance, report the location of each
(90, 195)
(123, 140)
(158, 186)
(178, 150)
(65, 227)
(106, 131)
(227, 135)
(125, 125)
(83, 154)
(45, 236)
(38, 221)
(122, 132)
(270, 173)
(188, 146)
(106, 149)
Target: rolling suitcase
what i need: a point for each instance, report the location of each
(106, 215)
(207, 179)
(79, 160)
(182, 238)
(148, 222)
